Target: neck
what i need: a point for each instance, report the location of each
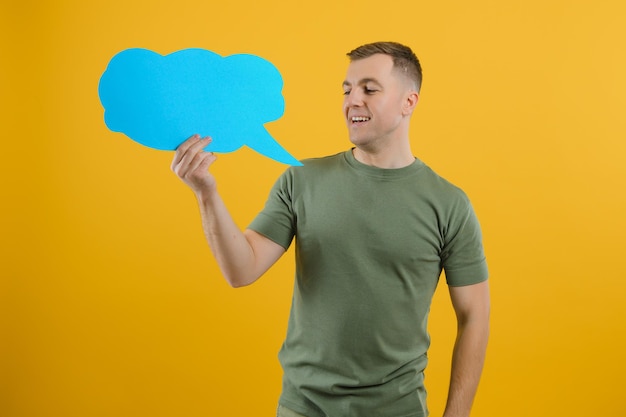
(387, 158)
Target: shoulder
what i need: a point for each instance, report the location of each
(439, 187)
(315, 166)
(324, 161)
(312, 170)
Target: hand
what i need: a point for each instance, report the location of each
(191, 164)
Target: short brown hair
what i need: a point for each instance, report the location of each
(403, 58)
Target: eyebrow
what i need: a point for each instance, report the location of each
(363, 81)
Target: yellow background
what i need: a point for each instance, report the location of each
(110, 303)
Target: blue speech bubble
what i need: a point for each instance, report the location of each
(159, 101)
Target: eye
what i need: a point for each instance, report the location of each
(368, 90)
(346, 92)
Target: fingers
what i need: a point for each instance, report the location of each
(200, 162)
(190, 154)
(184, 148)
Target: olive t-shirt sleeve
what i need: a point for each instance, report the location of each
(463, 256)
(276, 221)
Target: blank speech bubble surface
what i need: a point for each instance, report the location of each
(159, 101)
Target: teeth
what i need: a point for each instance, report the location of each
(360, 119)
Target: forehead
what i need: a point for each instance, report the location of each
(377, 67)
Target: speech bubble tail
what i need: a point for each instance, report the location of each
(270, 148)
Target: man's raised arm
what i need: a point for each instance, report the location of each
(242, 256)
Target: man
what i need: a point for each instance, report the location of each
(374, 228)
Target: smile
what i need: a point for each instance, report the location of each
(359, 119)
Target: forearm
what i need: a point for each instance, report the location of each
(467, 364)
(242, 256)
(229, 245)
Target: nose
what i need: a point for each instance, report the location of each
(353, 99)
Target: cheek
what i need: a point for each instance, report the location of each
(391, 106)
(382, 107)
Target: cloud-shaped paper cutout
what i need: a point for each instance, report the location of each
(159, 101)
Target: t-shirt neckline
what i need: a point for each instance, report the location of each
(383, 173)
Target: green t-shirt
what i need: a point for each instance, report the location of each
(370, 246)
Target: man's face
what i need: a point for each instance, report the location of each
(375, 96)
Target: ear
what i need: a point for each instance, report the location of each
(410, 102)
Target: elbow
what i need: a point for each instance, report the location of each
(238, 281)
(237, 284)
(238, 276)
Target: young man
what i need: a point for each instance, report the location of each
(374, 228)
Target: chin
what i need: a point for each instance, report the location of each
(360, 141)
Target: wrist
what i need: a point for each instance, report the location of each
(206, 195)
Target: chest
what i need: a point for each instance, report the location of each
(386, 220)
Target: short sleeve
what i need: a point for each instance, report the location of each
(463, 255)
(277, 220)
